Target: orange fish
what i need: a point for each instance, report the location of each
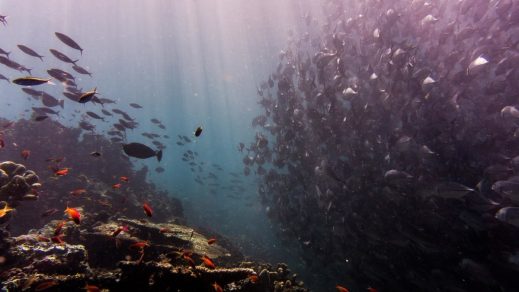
(5, 210)
(371, 289)
(57, 231)
(119, 230)
(217, 288)
(253, 278)
(116, 186)
(42, 239)
(208, 262)
(189, 260)
(124, 179)
(61, 172)
(78, 192)
(147, 209)
(57, 239)
(91, 288)
(140, 245)
(211, 240)
(25, 154)
(341, 289)
(45, 285)
(165, 230)
(73, 214)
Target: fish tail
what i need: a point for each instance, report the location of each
(74, 62)
(8, 53)
(62, 103)
(159, 155)
(41, 58)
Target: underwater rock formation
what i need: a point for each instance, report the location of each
(95, 255)
(17, 183)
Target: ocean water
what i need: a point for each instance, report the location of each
(391, 159)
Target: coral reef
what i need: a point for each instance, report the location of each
(17, 183)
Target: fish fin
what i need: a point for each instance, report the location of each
(41, 58)
(8, 53)
(62, 103)
(159, 155)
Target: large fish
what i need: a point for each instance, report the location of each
(30, 81)
(141, 151)
(62, 57)
(68, 41)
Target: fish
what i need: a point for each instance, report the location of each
(59, 228)
(3, 52)
(116, 186)
(40, 118)
(30, 52)
(45, 285)
(341, 289)
(253, 278)
(95, 154)
(198, 131)
(147, 209)
(49, 212)
(119, 230)
(165, 230)
(30, 81)
(78, 192)
(208, 262)
(60, 75)
(25, 154)
(124, 179)
(105, 112)
(13, 65)
(5, 78)
(74, 215)
(134, 105)
(217, 288)
(50, 101)
(211, 241)
(68, 41)
(159, 169)
(94, 115)
(61, 172)
(62, 57)
(141, 151)
(44, 110)
(87, 96)
(81, 70)
(91, 288)
(5, 210)
(139, 245)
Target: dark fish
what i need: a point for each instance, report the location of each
(159, 169)
(86, 126)
(87, 96)
(95, 154)
(30, 52)
(141, 151)
(68, 41)
(134, 105)
(4, 52)
(105, 112)
(40, 118)
(50, 101)
(60, 74)
(155, 121)
(13, 65)
(198, 131)
(94, 115)
(72, 96)
(44, 110)
(62, 57)
(105, 101)
(32, 92)
(4, 78)
(81, 70)
(162, 126)
(30, 81)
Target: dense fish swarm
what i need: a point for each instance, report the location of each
(389, 144)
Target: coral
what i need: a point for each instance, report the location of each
(17, 183)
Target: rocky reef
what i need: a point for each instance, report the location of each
(145, 256)
(17, 183)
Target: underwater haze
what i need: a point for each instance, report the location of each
(274, 145)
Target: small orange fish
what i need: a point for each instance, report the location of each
(5, 210)
(217, 288)
(78, 192)
(57, 231)
(124, 179)
(371, 289)
(165, 230)
(61, 172)
(91, 288)
(147, 210)
(73, 214)
(119, 230)
(116, 186)
(208, 262)
(140, 245)
(25, 154)
(189, 260)
(253, 278)
(341, 289)
(45, 285)
(211, 240)
(42, 238)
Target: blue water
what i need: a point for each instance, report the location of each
(188, 63)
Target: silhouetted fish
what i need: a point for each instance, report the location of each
(141, 151)
(30, 52)
(68, 41)
(30, 81)
(134, 105)
(81, 70)
(62, 57)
